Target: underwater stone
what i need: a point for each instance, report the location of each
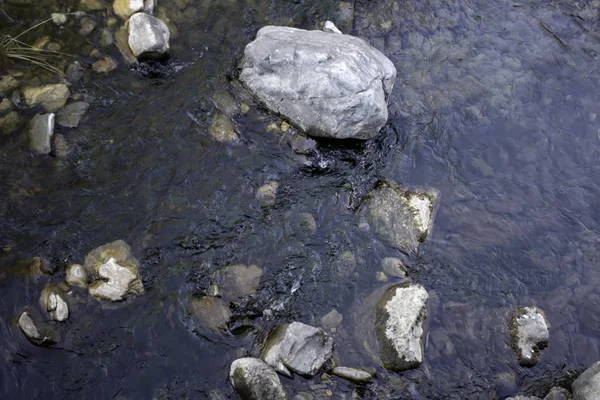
(126, 8)
(41, 129)
(71, 115)
(399, 318)
(212, 312)
(529, 334)
(587, 386)
(222, 129)
(148, 36)
(51, 97)
(87, 26)
(107, 64)
(5, 106)
(326, 84)
(267, 193)
(252, 379)
(58, 18)
(332, 319)
(9, 123)
(352, 374)
(393, 267)
(299, 347)
(92, 5)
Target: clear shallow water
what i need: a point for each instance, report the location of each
(490, 108)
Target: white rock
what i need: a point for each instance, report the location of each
(41, 129)
(126, 8)
(399, 317)
(254, 380)
(148, 36)
(60, 311)
(76, 275)
(119, 279)
(529, 333)
(33, 332)
(331, 28)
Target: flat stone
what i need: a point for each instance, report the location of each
(126, 8)
(402, 218)
(587, 386)
(74, 72)
(71, 115)
(252, 379)
(399, 318)
(9, 123)
(558, 393)
(297, 346)
(51, 97)
(267, 193)
(76, 275)
(326, 84)
(529, 334)
(148, 36)
(212, 312)
(222, 129)
(41, 129)
(238, 281)
(352, 374)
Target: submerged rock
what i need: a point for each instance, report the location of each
(299, 347)
(8, 84)
(328, 85)
(60, 146)
(399, 318)
(222, 129)
(9, 123)
(402, 218)
(332, 319)
(34, 332)
(105, 65)
(393, 267)
(587, 386)
(51, 299)
(252, 379)
(126, 8)
(5, 106)
(529, 334)
(267, 193)
(76, 275)
(71, 115)
(51, 97)
(239, 280)
(117, 268)
(41, 129)
(148, 36)
(352, 374)
(212, 312)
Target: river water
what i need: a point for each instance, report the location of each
(496, 106)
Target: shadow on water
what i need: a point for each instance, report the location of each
(495, 106)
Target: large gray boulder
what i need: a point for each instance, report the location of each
(587, 386)
(327, 84)
(299, 347)
(399, 317)
(148, 36)
(252, 379)
(529, 334)
(402, 218)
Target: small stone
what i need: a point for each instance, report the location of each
(226, 103)
(222, 129)
(352, 374)
(8, 84)
(92, 5)
(252, 379)
(272, 127)
(303, 145)
(71, 115)
(393, 267)
(76, 275)
(285, 126)
(214, 291)
(308, 223)
(239, 281)
(60, 146)
(112, 22)
(148, 36)
(87, 26)
(332, 320)
(95, 53)
(51, 97)
(345, 264)
(5, 106)
(33, 332)
(126, 8)
(245, 108)
(304, 396)
(59, 19)
(212, 312)
(106, 37)
(107, 64)
(267, 193)
(381, 277)
(74, 72)
(331, 28)
(41, 129)
(529, 333)
(9, 123)
(52, 301)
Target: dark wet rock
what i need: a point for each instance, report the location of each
(92, 5)
(87, 26)
(105, 65)
(117, 269)
(148, 36)
(9, 123)
(267, 193)
(222, 129)
(558, 393)
(8, 84)
(212, 312)
(41, 129)
(252, 379)
(71, 115)
(74, 72)
(60, 146)
(587, 386)
(402, 218)
(34, 332)
(5, 106)
(328, 85)
(352, 374)
(304, 223)
(76, 275)
(126, 8)
(529, 334)
(54, 303)
(393, 267)
(239, 280)
(51, 97)
(332, 320)
(505, 385)
(399, 318)
(297, 346)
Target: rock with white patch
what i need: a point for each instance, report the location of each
(401, 217)
(252, 379)
(117, 271)
(529, 334)
(297, 346)
(126, 8)
(587, 386)
(326, 84)
(41, 129)
(35, 332)
(52, 300)
(399, 318)
(148, 36)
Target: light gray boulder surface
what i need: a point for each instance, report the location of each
(148, 36)
(327, 84)
(587, 386)
(252, 379)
